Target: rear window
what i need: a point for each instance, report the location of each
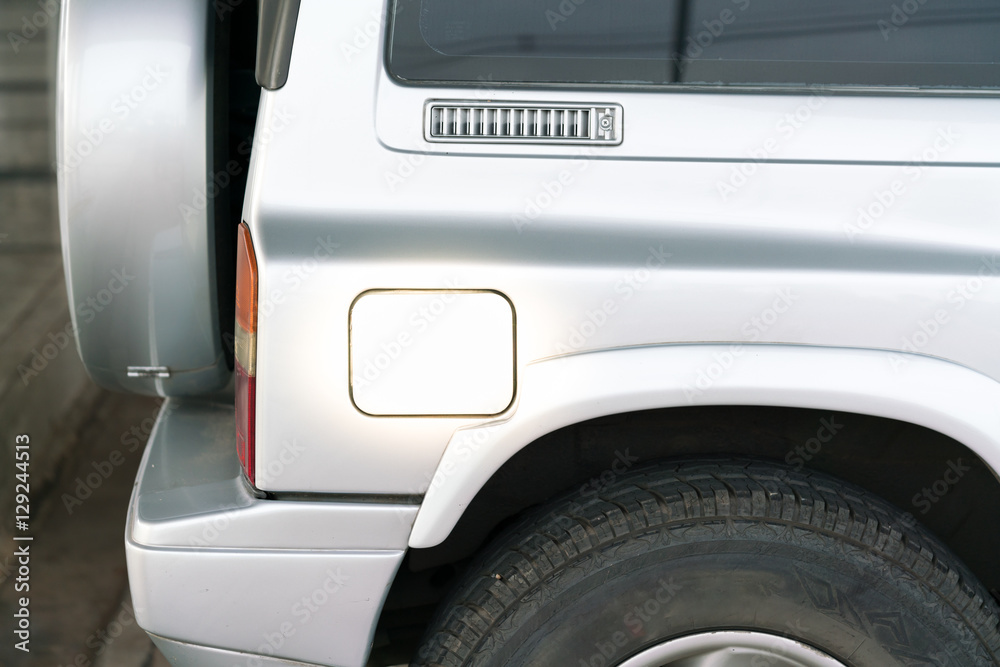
(902, 43)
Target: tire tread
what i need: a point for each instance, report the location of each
(658, 499)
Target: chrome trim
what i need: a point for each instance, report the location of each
(148, 372)
(456, 121)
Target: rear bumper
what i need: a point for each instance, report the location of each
(220, 572)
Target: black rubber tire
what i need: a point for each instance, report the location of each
(671, 550)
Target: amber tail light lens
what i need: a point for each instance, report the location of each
(246, 349)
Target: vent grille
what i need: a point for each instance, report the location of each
(522, 123)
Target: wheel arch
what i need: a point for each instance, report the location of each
(907, 421)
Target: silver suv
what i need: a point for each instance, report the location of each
(547, 332)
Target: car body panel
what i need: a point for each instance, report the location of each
(616, 247)
(746, 127)
(939, 395)
(212, 566)
(183, 653)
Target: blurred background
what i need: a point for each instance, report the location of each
(85, 443)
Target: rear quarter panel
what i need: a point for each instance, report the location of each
(871, 226)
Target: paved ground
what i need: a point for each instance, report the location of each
(80, 609)
(79, 604)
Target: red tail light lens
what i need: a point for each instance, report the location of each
(246, 349)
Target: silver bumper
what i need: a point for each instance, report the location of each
(218, 570)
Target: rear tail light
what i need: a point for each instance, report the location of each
(246, 349)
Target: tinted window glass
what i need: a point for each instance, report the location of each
(935, 43)
(598, 29)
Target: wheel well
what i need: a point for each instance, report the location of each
(942, 483)
(236, 97)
